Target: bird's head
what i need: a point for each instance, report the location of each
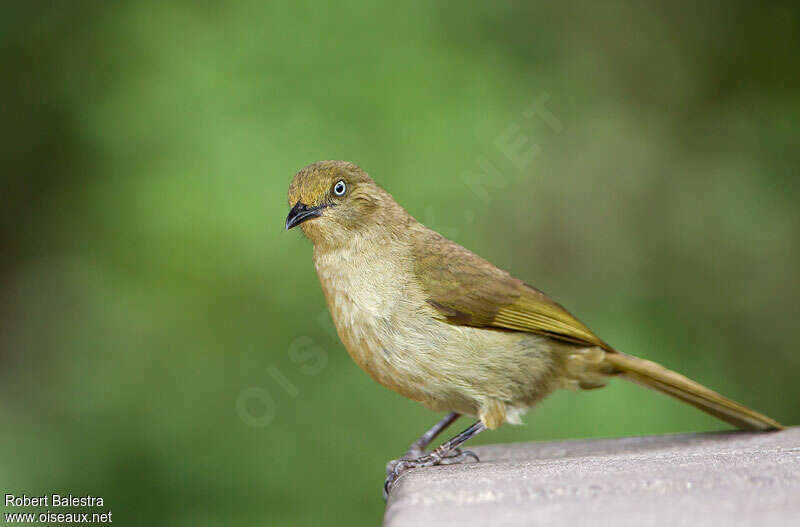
(334, 201)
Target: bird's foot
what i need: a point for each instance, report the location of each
(417, 458)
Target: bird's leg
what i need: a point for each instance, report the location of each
(417, 448)
(447, 453)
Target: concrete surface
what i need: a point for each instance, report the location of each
(718, 479)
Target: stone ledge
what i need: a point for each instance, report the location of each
(715, 479)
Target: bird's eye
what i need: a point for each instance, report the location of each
(339, 188)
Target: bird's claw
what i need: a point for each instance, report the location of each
(398, 467)
(459, 456)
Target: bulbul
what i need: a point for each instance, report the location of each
(438, 324)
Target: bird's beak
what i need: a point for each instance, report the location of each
(301, 213)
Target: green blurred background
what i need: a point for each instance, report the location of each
(165, 344)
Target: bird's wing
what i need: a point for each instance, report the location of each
(467, 290)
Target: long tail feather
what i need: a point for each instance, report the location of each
(659, 378)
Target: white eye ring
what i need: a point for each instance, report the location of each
(340, 188)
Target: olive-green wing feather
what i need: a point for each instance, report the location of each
(467, 290)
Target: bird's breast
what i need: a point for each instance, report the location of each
(378, 315)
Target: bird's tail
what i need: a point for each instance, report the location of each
(659, 378)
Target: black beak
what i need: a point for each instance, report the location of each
(300, 213)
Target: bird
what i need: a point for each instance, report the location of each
(438, 324)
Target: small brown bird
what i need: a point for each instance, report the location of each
(436, 323)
